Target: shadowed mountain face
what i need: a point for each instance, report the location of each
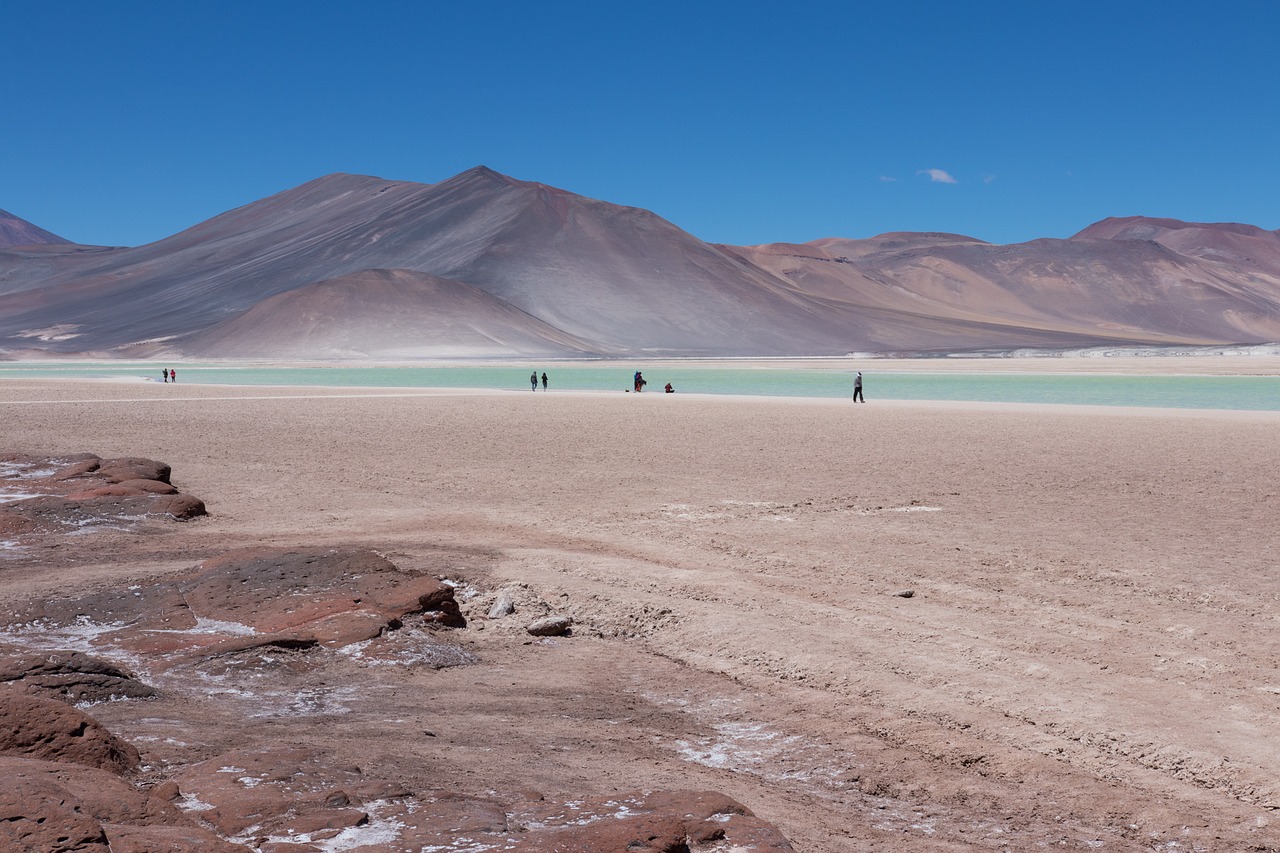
(382, 314)
(482, 265)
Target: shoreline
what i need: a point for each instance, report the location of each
(1208, 364)
(230, 392)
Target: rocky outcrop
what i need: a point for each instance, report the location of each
(35, 727)
(71, 676)
(57, 494)
(289, 795)
(261, 636)
(55, 807)
(331, 597)
(259, 598)
(662, 822)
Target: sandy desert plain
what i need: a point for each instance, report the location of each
(1088, 661)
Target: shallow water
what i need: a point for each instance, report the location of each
(1257, 393)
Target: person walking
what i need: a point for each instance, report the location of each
(544, 380)
(857, 389)
(533, 380)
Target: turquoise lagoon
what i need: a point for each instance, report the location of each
(1257, 393)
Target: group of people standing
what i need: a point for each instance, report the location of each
(638, 382)
(170, 375)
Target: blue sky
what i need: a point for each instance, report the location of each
(742, 123)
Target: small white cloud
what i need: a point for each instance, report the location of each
(938, 176)
(986, 179)
(885, 179)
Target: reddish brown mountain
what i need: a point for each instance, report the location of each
(1237, 246)
(1073, 292)
(483, 265)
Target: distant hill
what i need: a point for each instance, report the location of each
(1237, 246)
(486, 266)
(19, 232)
(1101, 289)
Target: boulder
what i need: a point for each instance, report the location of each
(151, 487)
(132, 468)
(36, 727)
(340, 596)
(650, 833)
(503, 605)
(710, 816)
(76, 465)
(550, 626)
(64, 493)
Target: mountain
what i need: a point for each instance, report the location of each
(1098, 287)
(382, 314)
(19, 232)
(1243, 247)
(619, 277)
(484, 265)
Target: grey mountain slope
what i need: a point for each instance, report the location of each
(551, 271)
(383, 314)
(321, 230)
(19, 232)
(587, 266)
(595, 270)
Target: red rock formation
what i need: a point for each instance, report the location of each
(268, 597)
(70, 676)
(65, 808)
(62, 493)
(292, 794)
(217, 623)
(36, 727)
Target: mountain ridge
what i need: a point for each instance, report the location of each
(547, 271)
(15, 231)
